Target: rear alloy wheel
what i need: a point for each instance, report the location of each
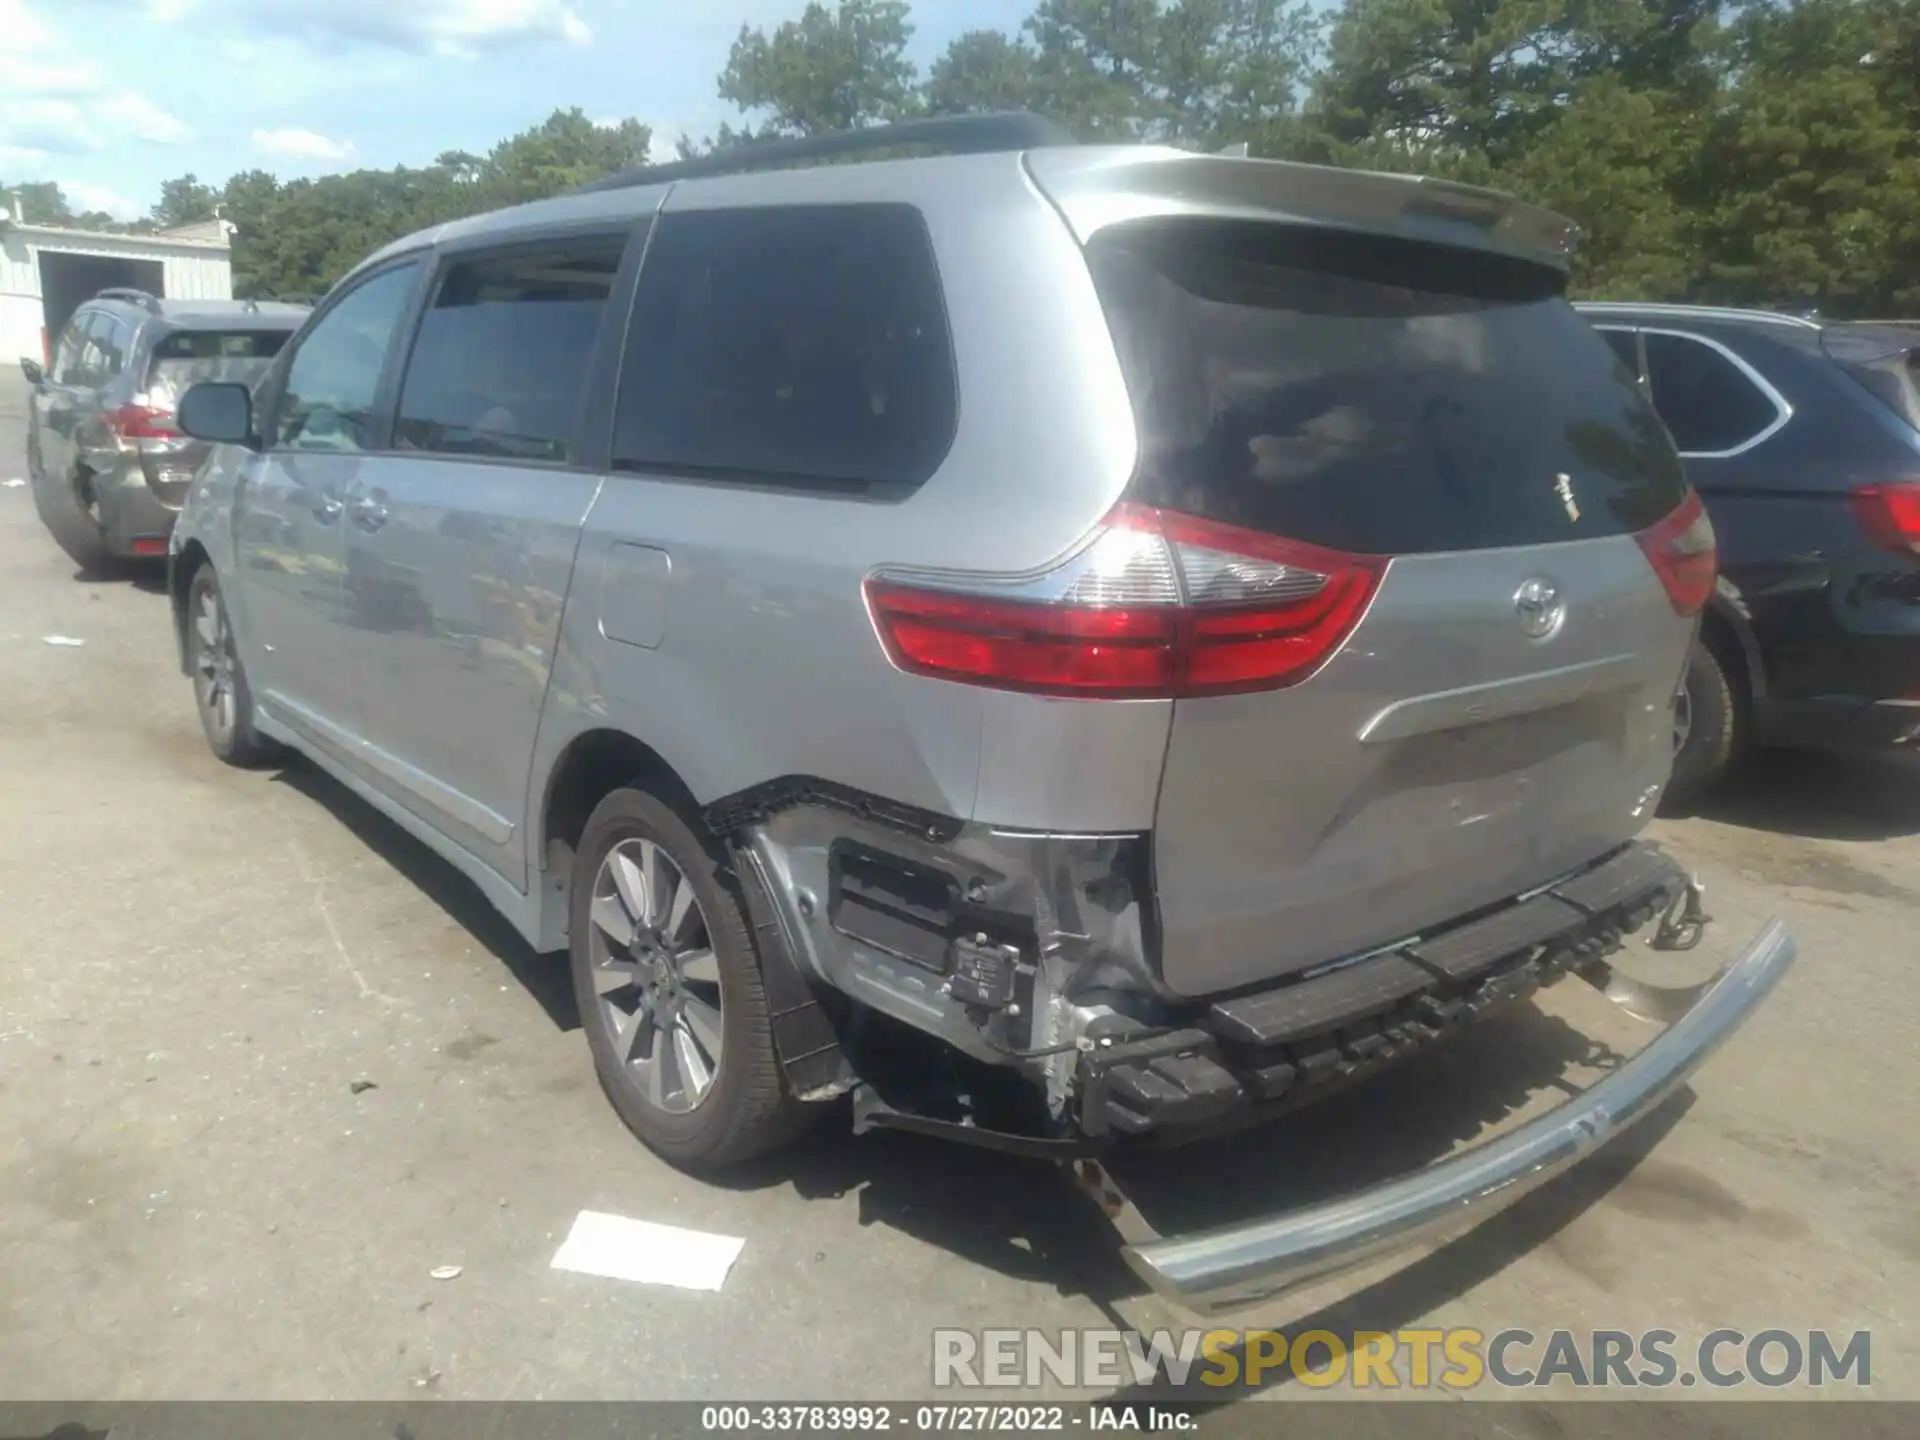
(669, 988)
(655, 976)
(1708, 727)
(219, 684)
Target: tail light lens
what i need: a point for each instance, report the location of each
(142, 422)
(1890, 514)
(1157, 605)
(1681, 550)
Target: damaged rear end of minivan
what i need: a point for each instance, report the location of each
(1394, 605)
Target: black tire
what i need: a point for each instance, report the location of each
(234, 739)
(1716, 732)
(748, 1111)
(57, 498)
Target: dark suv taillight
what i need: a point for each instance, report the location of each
(1890, 513)
(1681, 550)
(1156, 605)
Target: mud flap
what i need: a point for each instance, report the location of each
(804, 1036)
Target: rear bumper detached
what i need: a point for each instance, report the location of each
(1239, 1265)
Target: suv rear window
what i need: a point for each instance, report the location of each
(221, 345)
(186, 357)
(803, 346)
(1373, 395)
(1896, 380)
(1883, 358)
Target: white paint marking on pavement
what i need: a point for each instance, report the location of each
(621, 1249)
(61, 640)
(13, 484)
(445, 1272)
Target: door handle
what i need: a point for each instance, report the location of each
(368, 512)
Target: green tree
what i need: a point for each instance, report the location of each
(42, 202)
(301, 236)
(1810, 170)
(562, 151)
(1094, 65)
(833, 69)
(1468, 85)
(1617, 160)
(981, 72)
(184, 201)
(463, 165)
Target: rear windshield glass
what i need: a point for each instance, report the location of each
(1895, 379)
(187, 357)
(1373, 395)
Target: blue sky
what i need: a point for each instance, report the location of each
(110, 97)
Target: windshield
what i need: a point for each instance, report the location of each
(1883, 358)
(188, 357)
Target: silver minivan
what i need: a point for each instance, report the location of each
(1073, 646)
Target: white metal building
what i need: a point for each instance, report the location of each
(47, 272)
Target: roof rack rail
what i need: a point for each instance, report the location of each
(951, 134)
(1704, 312)
(127, 292)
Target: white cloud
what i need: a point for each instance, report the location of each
(58, 127)
(441, 27)
(84, 198)
(21, 27)
(22, 157)
(132, 113)
(301, 145)
(58, 103)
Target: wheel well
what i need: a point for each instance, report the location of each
(1718, 634)
(179, 579)
(591, 767)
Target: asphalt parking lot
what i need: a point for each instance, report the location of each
(197, 965)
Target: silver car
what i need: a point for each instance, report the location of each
(1070, 645)
(108, 463)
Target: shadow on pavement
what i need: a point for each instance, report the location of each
(544, 977)
(1822, 795)
(1026, 1219)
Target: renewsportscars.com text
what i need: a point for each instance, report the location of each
(1454, 1359)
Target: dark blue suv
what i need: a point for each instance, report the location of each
(1804, 441)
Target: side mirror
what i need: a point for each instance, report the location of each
(33, 370)
(218, 411)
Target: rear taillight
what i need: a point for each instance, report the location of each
(142, 422)
(1889, 513)
(1156, 605)
(1682, 553)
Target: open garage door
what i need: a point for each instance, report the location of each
(69, 281)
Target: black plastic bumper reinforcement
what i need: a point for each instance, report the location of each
(1276, 1048)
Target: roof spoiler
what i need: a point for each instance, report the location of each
(1100, 186)
(946, 134)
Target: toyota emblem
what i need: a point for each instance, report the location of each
(1541, 610)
